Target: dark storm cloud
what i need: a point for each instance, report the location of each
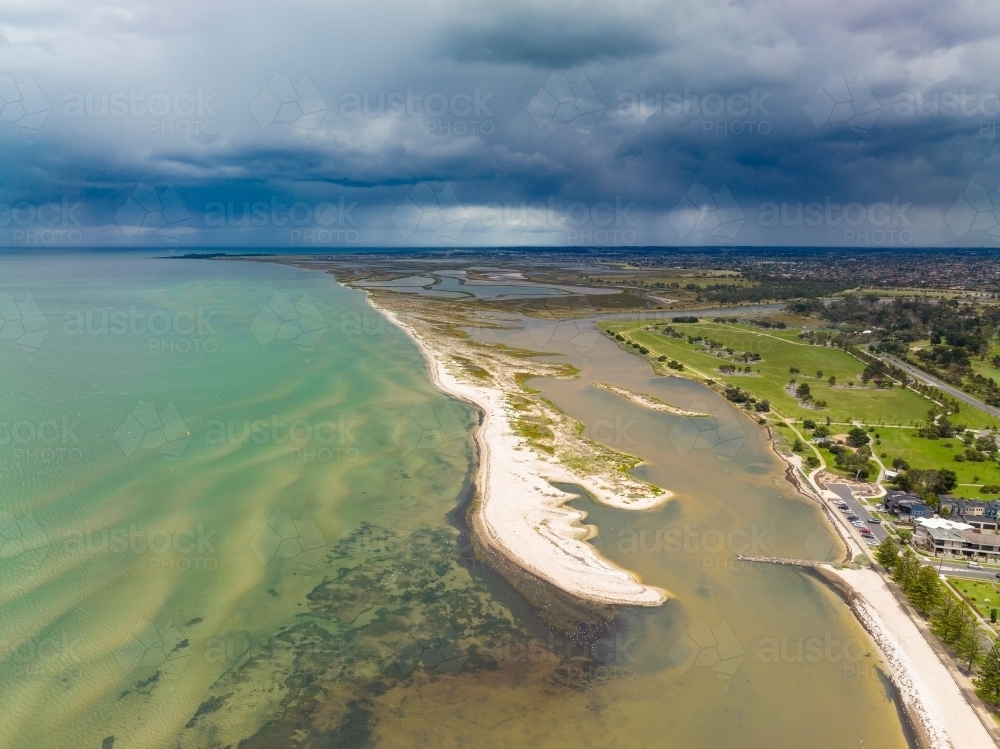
(550, 41)
(784, 103)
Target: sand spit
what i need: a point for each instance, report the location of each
(648, 401)
(519, 513)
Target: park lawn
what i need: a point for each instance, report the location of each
(781, 350)
(982, 594)
(985, 368)
(924, 453)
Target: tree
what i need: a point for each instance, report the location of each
(944, 621)
(832, 380)
(905, 571)
(988, 682)
(819, 373)
(925, 590)
(887, 553)
(972, 645)
(802, 390)
(857, 437)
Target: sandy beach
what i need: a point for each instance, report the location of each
(520, 513)
(933, 699)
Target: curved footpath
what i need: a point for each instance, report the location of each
(520, 514)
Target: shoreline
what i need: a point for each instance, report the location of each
(518, 513)
(939, 711)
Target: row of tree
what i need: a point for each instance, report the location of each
(950, 619)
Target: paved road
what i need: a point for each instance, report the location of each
(949, 389)
(844, 492)
(958, 570)
(949, 568)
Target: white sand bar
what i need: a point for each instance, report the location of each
(524, 517)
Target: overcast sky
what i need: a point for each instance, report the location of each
(335, 125)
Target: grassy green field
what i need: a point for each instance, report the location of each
(781, 350)
(894, 412)
(986, 368)
(982, 594)
(923, 453)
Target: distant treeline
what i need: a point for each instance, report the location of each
(765, 288)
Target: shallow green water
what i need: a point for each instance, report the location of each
(126, 559)
(232, 530)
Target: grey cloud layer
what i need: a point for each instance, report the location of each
(537, 118)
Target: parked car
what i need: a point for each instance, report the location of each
(858, 524)
(975, 566)
(852, 517)
(864, 531)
